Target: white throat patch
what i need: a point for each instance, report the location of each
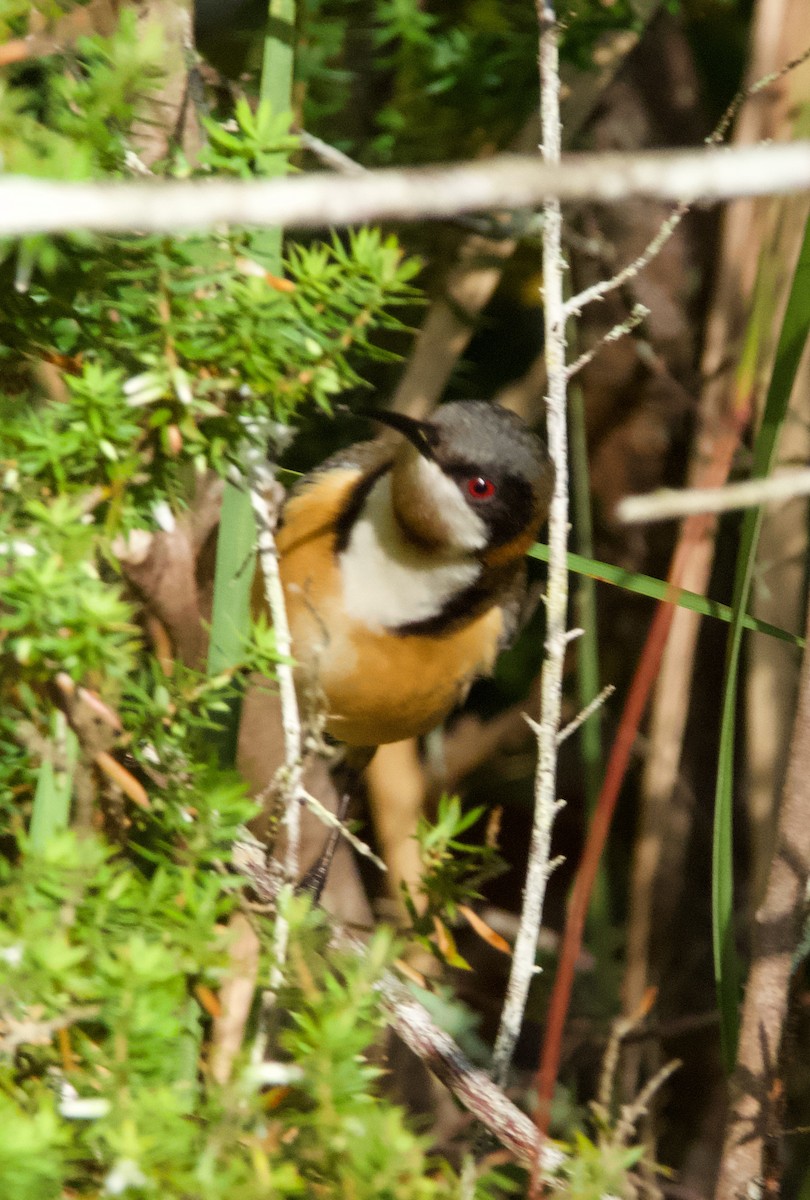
(462, 527)
(387, 580)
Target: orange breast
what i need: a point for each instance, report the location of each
(375, 686)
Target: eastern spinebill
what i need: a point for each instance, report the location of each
(402, 561)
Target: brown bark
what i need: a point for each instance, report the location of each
(754, 1116)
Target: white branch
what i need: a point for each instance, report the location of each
(545, 806)
(330, 156)
(315, 200)
(667, 503)
(266, 497)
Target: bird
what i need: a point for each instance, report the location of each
(402, 562)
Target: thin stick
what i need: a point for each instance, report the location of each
(523, 965)
(265, 498)
(505, 181)
(598, 291)
(476, 1092)
(329, 819)
(631, 1114)
(330, 156)
(667, 503)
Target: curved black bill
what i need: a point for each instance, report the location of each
(421, 434)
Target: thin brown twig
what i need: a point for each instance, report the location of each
(412, 1022)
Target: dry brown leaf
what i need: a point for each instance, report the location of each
(484, 931)
(235, 997)
(208, 999)
(121, 777)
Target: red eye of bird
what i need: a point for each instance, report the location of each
(480, 488)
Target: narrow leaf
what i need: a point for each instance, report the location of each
(230, 620)
(659, 589)
(51, 807)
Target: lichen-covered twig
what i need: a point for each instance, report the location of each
(266, 496)
(598, 291)
(412, 1022)
(632, 321)
(523, 960)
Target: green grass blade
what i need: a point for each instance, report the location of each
(659, 589)
(236, 557)
(276, 90)
(590, 735)
(51, 808)
(585, 600)
(792, 339)
(230, 622)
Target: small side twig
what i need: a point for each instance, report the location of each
(604, 287)
(639, 313)
(631, 1114)
(329, 819)
(587, 712)
(330, 156)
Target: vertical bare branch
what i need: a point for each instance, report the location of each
(538, 870)
(265, 497)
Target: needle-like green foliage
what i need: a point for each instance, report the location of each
(133, 368)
